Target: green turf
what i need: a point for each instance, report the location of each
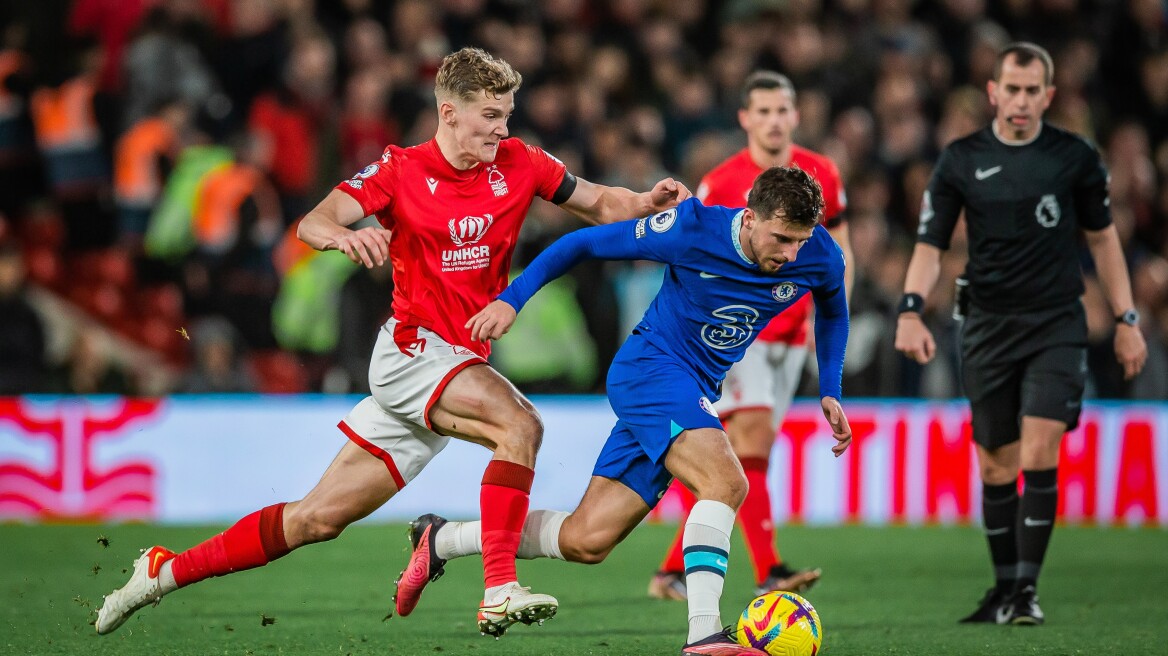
(884, 591)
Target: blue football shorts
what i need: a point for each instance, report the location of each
(655, 398)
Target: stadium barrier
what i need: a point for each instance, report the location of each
(214, 459)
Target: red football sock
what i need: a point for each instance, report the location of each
(675, 559)
(255, 540)
(758, 529)
(503, 504)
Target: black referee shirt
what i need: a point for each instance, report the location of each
(1023, 205)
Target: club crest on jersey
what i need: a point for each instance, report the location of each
(708, 407)
(469, 229)
(495, 179)
(784, 291)
(1048, 211)
(663, 221)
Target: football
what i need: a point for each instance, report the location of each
(781, 624)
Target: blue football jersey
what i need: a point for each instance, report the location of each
(714, 300)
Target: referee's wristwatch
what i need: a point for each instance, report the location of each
(1131, 317)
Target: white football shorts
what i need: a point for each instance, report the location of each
(408, 371)
(764, 379)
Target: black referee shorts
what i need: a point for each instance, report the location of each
(1023, 365)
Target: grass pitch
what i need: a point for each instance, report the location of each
(884, 591)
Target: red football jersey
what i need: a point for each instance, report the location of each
(729, 184)
(454, 232)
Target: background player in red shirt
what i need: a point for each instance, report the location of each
(449, 212)
(758, 389)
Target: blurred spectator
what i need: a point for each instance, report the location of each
(70, 141)
(163, 62)
(292, 122)
(216, 364)
(364, 309)
(22, 333)
(20, 172)
(90, 367)
(143, 157)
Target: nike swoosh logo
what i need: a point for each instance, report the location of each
(982, 175)
(721, 563)
(703, 274)
(997, 531)
(1003, 614)
(497, 609)
(1035, 522)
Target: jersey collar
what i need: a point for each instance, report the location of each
(1007, 142)
(735, 230)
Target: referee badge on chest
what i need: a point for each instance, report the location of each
(784, 291)
(1048, 212)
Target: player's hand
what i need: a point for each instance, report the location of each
(840, 429)
(914, 339)
(1130, 350)
(368, 246)
(667, 193)
(491, 322)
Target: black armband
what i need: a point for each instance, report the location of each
(566, 188)
(910, 303)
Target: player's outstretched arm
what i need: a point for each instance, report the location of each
(913, 337)
(1131, 351)
(492, 322)
(840, 429)
(325, 228)
(598, 204)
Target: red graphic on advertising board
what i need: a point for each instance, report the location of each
(73, 485)
(936, 472)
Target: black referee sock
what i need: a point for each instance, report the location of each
(999, 512)
(1035, 522)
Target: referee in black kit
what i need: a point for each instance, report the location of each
(1027, 189)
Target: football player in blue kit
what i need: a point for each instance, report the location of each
(728, 273)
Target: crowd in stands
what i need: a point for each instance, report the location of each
(155, 156)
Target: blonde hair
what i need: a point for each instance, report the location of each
(470, 71)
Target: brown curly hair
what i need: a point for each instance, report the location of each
(470, 71)
(789, 191)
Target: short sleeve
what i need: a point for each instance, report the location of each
(941, 204)
(548, 171)
(373, 186)
(1092, 199)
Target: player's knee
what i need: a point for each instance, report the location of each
(727, 487)
(313, 526)
(522, 428)
(736, 487)
(589, 551)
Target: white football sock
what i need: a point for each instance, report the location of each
(706, 544)
(166, 577)
(458, 539)
(540, 539)
(541, 535)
